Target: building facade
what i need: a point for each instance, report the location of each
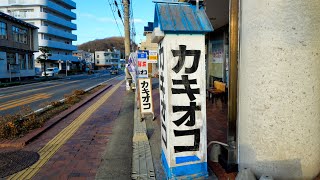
(54, 19)
(105, 59)
(153, 68)
(18, 42)
(86, 59)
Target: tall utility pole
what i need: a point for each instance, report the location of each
(126, 28)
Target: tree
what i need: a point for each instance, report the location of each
(43, 57)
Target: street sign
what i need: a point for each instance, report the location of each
(142, 69)
(153, 56)
(142, 55)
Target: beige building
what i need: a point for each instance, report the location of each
(148, 45)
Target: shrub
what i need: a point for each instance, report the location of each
(78, 92)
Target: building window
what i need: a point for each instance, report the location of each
(97, 56)
(30, 61)
(3, 30)
(20, 35)
(22, 61)
(11, 59)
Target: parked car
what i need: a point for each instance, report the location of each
(114, 70)
(51, 71)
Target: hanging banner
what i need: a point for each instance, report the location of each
(153, 56)
(142, 68)
(132, 62)
(217, 51)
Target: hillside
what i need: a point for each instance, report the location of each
(103, 44)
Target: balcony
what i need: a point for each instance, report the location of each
(57, 32)
(57, 45)
(69, 3)
(49, 4)
(45, 16)
(61, 10)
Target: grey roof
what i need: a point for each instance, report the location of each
(10, 18)
(181, 18)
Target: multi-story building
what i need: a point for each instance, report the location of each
(86, 58)
(147, 44)
(54, 19)
(105, 59)
(18, 42)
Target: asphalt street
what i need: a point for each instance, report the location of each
(38, 95)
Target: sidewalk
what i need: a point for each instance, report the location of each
(78, 147)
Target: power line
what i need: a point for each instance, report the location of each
(119, 11)
(114, 17)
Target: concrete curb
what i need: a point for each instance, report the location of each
(21, 142)
(142, 163)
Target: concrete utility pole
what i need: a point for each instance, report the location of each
(279, 85)
(126, 28)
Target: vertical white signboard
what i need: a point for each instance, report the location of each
(145, 96)
(183, 105)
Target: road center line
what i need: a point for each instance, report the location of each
(56, 143)
(24, 101)
(32, 90)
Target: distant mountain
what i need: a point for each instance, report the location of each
(103, 44)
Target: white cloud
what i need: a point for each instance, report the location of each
(87, 15)
(96, 18)
(139, 21)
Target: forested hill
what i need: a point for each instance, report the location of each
(103, 44)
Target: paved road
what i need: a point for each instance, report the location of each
(38, 95)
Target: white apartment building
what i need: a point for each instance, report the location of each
(105, 59)
(54, 19)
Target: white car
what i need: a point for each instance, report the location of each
(51, 71)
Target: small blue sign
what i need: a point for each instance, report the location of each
(142, 55)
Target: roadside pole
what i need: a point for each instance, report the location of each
(10, 72)
(127, 34)
(126, 28)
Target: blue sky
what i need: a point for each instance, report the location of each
(95, 19)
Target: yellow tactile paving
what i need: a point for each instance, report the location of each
(54, 144)
(24, 101)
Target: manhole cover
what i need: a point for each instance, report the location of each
(15, 161)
